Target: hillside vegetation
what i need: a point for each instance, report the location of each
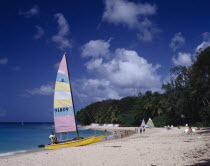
(185, 99)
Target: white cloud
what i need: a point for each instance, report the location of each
(94, 89)
(124, 12)
(129, 69)
(43, 90)
(3, 112)
(30, 13)
(3, 61)
(122, 75)
(205, 43)
(96, 48)
(206, 36)
(132, 15)
(145, 35)
(203, 46)
(40, 32)
(183, 59)
(177, 41)
(94, 64)
(63, 30)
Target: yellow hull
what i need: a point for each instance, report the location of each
(71, 144)
(97, 139)
(82, 142)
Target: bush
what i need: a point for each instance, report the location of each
(198, 124)
(126, 119)
(161, 121)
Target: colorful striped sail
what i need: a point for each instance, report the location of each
(64, 117)
(150, 123)
(143, 123)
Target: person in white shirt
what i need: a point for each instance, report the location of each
(53, 138)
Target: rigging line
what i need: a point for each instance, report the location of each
(77, 133)
(90, 120)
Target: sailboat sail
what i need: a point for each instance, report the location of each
(150, 123)
(143, 123)
(64, 117)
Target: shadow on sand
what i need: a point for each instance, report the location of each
(204, 131)
(205, 162)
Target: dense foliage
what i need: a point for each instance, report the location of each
(185, 99)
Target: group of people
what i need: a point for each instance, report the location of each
(116, 135)
(54, 139)
(169, 127)
(140, 130)
(189, 130)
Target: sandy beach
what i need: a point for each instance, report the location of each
(155, 147)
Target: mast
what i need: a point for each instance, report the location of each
(77, 133)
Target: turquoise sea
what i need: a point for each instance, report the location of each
(16, 138)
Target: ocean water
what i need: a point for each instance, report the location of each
(16, 138)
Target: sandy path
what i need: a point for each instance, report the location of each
(156, 147)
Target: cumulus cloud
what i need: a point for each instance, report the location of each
(177, 41)
(94, 89)
(183, 59)
(40, 32)
(133, 16)
(203, 46)
(34, 11)
(127, 69)
(94, 63)
(147, 34)
(95, 48)
(43, 90)
(63, 30)
(123, 74)
(205, 43)
(3, 61)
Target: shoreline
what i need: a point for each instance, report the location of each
(23, 152)
(156, 146)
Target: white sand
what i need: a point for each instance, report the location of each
(156, 147)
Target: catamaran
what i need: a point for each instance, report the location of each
(64, 111)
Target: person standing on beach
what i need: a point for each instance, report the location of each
(121, 134)
(190, 130)
(140, 130)
(105, 134)
(115, 135)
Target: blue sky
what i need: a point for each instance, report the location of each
(115, 48)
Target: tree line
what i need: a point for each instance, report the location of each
(185, 98)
